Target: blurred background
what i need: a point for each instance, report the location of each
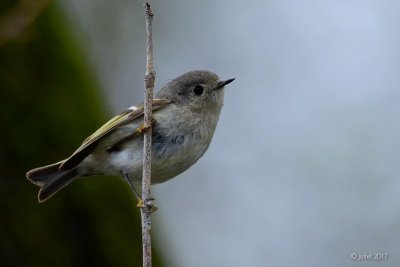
(302, 170)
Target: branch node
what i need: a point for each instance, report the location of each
(148, 11)
(149, 79)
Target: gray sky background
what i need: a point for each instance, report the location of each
(303, 169)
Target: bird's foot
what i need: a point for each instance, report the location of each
(143, 128)
(147, 204)
(143, 204)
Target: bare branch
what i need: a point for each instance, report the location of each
(146, 209)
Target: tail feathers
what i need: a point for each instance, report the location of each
(40, 175)
(51, 179)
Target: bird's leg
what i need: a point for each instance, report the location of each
(135, 192)
(147, 203)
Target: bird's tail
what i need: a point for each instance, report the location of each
(51, 179)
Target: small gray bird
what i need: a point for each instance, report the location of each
(185, 114)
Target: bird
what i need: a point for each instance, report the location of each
(185, 114)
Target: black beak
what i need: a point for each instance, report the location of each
(223, 83)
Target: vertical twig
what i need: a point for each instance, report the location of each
(146, 178)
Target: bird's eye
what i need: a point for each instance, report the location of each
(198, 90)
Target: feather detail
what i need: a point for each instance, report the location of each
(91, 142)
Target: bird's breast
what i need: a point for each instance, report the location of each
(178, 142)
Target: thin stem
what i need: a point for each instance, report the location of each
(146, 209)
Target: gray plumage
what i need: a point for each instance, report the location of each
(185, 113)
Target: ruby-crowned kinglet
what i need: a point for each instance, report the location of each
(185, 114)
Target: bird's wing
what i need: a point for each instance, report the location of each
(91, 142)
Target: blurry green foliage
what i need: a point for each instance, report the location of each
(49, 103)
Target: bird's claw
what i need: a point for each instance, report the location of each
(147, 204)
(143, 128)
